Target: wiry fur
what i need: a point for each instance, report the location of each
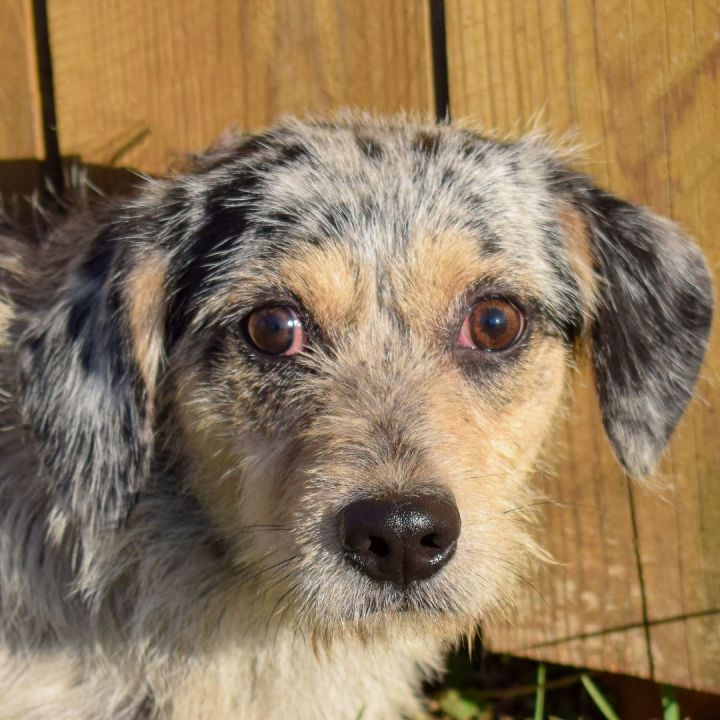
(168, 496)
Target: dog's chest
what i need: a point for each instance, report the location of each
(287, 678)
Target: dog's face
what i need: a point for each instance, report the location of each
(352, 339)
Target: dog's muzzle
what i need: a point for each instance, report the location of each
(400, 540)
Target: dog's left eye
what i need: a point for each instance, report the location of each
(275, 330)
(493, 324)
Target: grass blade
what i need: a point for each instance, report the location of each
(458, 707)
(671, 708)
(540, 692)
(598, 698)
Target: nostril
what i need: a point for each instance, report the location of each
(431, 541)
(362, 545)
(379, 547)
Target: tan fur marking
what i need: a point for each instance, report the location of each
(500, 441)
(330, 282)
(146, 294)
(439, 269)
(6, 317)
(579, 253)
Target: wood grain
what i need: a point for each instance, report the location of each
(20, 115)
(637, 82)
(21, 138)
(140, 81)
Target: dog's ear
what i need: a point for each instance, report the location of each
(652, 316)
(87, 367)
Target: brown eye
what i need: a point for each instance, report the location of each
(276, 330)
(492, 324)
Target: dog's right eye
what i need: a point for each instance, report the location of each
(275, 330)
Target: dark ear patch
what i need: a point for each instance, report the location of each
(83, 396)
(427, 143)
(369, 147)
(652, 323)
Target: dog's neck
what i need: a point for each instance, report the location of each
(239, 658)
(284, 673)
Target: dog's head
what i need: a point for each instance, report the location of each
(346, 343)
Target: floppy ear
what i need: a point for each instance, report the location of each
(652, 320)
(87, 370)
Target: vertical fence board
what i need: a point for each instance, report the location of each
(140, 81)
(637, 587)
(21, 138)
(20, 115)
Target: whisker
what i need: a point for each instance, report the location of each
(277, 582)
(309, 598)
(241, 569)
(282, 616)
(277, 605)
(525, 581)
(556, 503)
(266, 526)
(274, 566)
(518, 575)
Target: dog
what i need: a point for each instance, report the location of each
(264, 422)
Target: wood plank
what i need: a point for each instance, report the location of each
(140, 81)
(638, 84)
(21, 137)
(20, 114)
(685, 532)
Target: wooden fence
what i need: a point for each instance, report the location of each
(135, 83)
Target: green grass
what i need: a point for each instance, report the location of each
(495, 687)
(540, 692)
(600, 700)
(671, 709)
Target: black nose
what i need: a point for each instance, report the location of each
(400, 539)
